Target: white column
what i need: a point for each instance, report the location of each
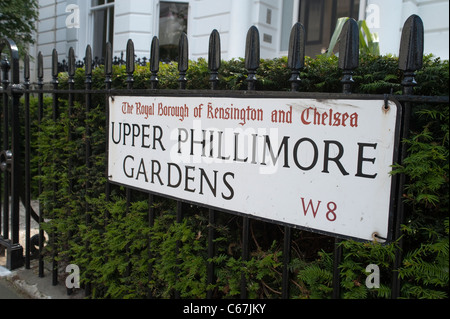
(385, 18)
(134, 20)
(241, 20)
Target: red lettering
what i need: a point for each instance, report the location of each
(310, 205)
(306, 112)
(328, 117)
(330, 214)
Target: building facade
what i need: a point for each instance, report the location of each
(76, 23)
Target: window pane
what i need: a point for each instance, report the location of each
(286, 24)
(172, 22)
(315, 21)
(103, 30)
(319, 18)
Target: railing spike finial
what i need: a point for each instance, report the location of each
(71, 64)
(296, 54)
(411, 51)
(154, 62)
(214, 58)
(252, 56)
(54, 64)
(348, 52)
(108, 59)
(40, 66)
(129, 64)
(130, 57)
(183, 60)
(88, 61)
(26, 69)
(14, 59)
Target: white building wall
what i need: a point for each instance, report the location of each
(435, 16)
(51, 33)
(386, 17)
(139, 20)
(135, 20)
(204, 17)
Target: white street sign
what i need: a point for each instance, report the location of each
(321, 165)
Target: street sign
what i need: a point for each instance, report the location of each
(317, 164)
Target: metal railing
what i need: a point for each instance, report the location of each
(16, 177)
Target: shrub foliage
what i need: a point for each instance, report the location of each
(122, 254)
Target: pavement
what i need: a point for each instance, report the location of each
(25, 283)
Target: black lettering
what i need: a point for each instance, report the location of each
(188, 178)
(112, 132)
(157, 138)
(336, 159)
(169, 179)
(156, 172)
(141, 170)
(136, 133)
(284, 144)
(126, 131)
(362, 159)
(236, 149)
(132, 169)
(228, 186)
(203, 175)
(316, 154)
(145, 126)
(202, 142)
(180, 140)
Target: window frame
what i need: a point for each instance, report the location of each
(92, 30)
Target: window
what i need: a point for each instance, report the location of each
(319, 18)
(172, 22)
(103, 22)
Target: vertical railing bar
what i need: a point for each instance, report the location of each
(183, 60)
(337, 258)
(214, 58)
(214, 61)
(15, 256)
(410, 60)
(55, 119)
(211, 252)
(252, 60)
(88, 101)
(40, 72)
(154, 62)
(151, 223)
(348, 53)
(245, 254)
(252, 56)
(183, 65)
(1, 143)
(348, 60)
(296, 62)
(27, 163)
(130, 67)
(154, 69)
(5, 82)
(286, 260)
(71, 84)
(296, 54)
(108, 84)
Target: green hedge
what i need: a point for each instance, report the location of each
(121, 256)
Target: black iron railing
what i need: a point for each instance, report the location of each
(16, 177)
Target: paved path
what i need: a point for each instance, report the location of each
(26, 283)
(7, 289)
